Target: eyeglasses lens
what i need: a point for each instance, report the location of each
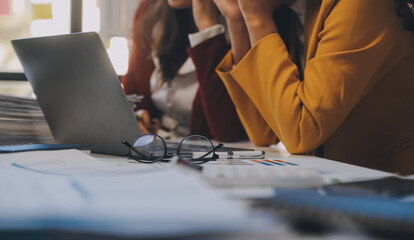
(149, 148)
(196, 149)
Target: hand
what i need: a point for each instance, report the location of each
(239, 36)
(258, 15)
(259, 8)
(205, 14)
(145, 123)
(230, 10)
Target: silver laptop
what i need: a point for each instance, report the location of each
(78, 90)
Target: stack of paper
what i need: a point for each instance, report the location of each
(22, 121)
(69, 190)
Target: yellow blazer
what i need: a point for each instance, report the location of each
(357, 96)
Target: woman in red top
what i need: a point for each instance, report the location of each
(176, 46)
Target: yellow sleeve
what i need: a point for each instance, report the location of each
(251, 119)
(355, 48)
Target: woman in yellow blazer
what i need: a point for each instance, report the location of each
(356, 99)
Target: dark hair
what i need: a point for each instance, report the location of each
(287, 21)
(405, 9)
(164, 31)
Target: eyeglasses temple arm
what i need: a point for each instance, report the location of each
(218, 146)
(127, 144)
(213, 150)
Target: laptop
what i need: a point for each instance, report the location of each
(78, 90)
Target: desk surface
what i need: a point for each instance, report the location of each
(69, 193)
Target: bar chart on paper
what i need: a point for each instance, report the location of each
(274, 162)
(332, 171)
(291, 163)
(263, 162)
(273, 173)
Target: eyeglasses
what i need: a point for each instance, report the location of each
(150, 148)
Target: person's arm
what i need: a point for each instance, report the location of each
(140, 67)
(205, 14)
(212, 106)
(258, 16)
(239, 36)
(137, 79)
(256, 127)
(218, 109)
(355, 48)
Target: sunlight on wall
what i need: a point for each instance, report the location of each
(18, 6)
(34, 18)
(119, 54)
(50, 17)
(91, 16)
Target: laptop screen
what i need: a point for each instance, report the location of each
(78, 90)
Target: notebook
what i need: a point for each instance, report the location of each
(78, 90)
(41, 147)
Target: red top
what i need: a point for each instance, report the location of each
(213, 113)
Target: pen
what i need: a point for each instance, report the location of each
(246, 154)
(233, 154)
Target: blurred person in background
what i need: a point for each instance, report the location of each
(176, 47)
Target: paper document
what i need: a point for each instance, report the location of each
(70, 163)
(22, 121)
(70, 190)
(331, 171)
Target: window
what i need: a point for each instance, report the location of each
(32, 18)
(29, 18)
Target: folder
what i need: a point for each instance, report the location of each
(37, 147)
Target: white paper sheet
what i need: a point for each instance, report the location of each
(70, 190)
(72, 163)
(331, 171)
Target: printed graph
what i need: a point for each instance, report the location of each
(274, 162)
